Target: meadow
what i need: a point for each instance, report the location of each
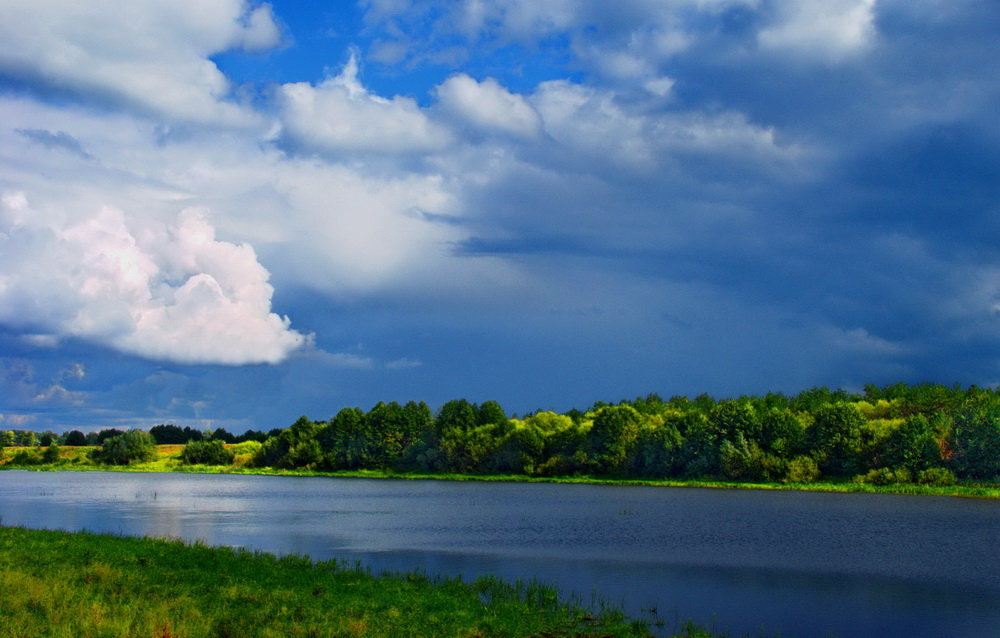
(78, 584)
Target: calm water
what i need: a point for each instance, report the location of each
(795, 563)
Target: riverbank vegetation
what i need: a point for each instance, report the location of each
(913, 439)
(78, 584)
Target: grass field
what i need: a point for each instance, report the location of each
(75, 458)
(78, 585)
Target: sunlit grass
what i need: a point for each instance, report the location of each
(63, 584)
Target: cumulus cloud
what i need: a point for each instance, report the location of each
(488, 106)
(340, 116)
(630, 41)
(596, 124)
(152, 54)
(171, 292)
(826, 29)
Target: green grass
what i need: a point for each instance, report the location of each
(168, 461)
(79, 584)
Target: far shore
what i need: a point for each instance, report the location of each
(74, 459)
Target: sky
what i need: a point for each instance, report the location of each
(225, 213)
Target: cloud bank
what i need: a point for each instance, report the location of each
(172, 292)
(688, 194)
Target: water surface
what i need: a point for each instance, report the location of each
(795, 563)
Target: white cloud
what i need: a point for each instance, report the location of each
(260, 31)
(596, 125)
(340, 116)
(488, 106)
(344, 229)
(165, 292)
(624, 41)
(825, 29)
(18, 421)
(403, 364)
(148, 53)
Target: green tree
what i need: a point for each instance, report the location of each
(519, 452)
(975, 441)
(212, 452)
(781, 432)
(221, 434)
(51, 453)
(106, 434)
(343, 441)
(134, 446)
(744, 460)
(389, 431)
(802, 469)
(729, 419)
(75, 438)
(469, 451)
(915, 444)
(655, 451)
(294, 447)
(457, 414)
(7, 438)
(490, 413)
(168, 433)
(835, 436)
(612, 436)
(25, 438)
(698, 455)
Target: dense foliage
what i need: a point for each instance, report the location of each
(134, 446)
(212, 452)
(928, 433)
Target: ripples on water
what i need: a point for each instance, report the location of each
(795, 563)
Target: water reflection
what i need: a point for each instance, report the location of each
(798, 564)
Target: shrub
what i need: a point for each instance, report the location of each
(746, 461)
(885, 476)
(212, 452)
(134, 446)
(51, 454)
(802, 469)
(937, 477)
(29, 456)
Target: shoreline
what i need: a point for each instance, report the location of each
(976, 490)
(125, 587)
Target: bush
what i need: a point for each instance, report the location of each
(212, 452)
(885, 476)
(29, 456)
(936, 477)
(746, 461)
(802, 469)
(51, 454)
(134, 446)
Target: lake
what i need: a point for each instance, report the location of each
(800, 564)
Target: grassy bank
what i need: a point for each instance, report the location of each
(168, 460)
(78, 584)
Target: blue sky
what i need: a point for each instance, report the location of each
(226, 214)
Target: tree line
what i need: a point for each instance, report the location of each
(900, 433)
(164, 434)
